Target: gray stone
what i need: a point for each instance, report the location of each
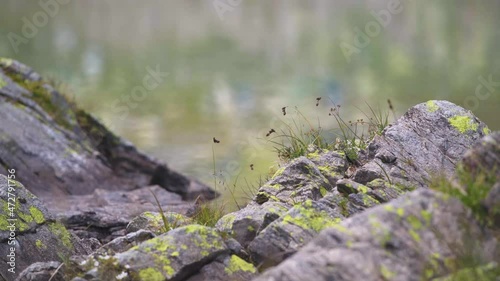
(411, 238)
(431, 138)
(245, 224)
(38, 236)
(41, 271)
(230, 268)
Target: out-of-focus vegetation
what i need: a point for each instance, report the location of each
(229, 77)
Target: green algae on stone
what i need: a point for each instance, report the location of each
(237, 264)
(432, 106)
(463, 123)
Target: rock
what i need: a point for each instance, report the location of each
(153, 221)
(484, 156)
(431, 138)
(37, 236)
(300, 180)
(492, 204)
(284, 236)
(411, 238)
(105, 214)
(243, 225)
(230, 268)
(41, 271)
(332, 165)
(175, 255)
(58, 149)
(123, 243)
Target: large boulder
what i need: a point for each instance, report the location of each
(429, 140)
(420, 236)
(59, 149)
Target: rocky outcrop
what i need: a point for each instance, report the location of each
(58, 149)
(322, 189)
(421, 236)
(323, 216)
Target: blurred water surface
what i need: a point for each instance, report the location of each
(232, 66)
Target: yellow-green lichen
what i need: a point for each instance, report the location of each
(323, 191)
(278, 172)
(237, 264)
(415, 222)
(60, 231)
(37, 215)
(251, 228)
(386, 273)
(432, 106)
(226, 222)
(3, 83)
(414, 235)
(400, 212)
(39, 244)
(463, 123)
(151, 274)
(310, 218)
(362, 189)
(427, 216)
(486, 131)
(325, 170)
(314, 155)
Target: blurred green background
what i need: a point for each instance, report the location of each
(233, 65)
